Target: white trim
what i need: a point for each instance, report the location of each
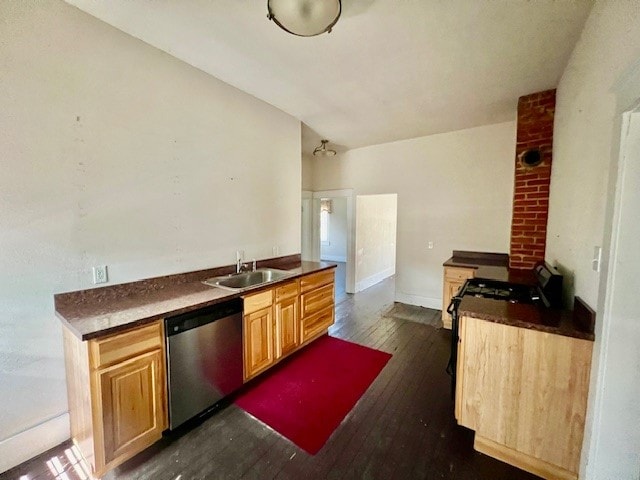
(345, 192)
(375, 278)
(334, 258)
(593, 462)
(350, 286)
(32, 442)
(418, 300)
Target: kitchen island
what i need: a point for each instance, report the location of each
(522, 374)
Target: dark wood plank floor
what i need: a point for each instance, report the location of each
(402, 427)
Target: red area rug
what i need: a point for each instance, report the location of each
(307, 396)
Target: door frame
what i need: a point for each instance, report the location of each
(593, 462)
(350, 284)
(306, 234)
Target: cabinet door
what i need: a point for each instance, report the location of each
(454, 278)
(132, 398)
(286, 332)
(258, 341)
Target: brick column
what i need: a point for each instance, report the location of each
(531, 190)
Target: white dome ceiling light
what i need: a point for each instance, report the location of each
(305, 18)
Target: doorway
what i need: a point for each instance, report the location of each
(615, 438)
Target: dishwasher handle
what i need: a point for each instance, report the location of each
(187, 321)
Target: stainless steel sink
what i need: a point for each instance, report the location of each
(238, 282)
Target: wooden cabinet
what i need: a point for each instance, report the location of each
(316, 305)
(454, 278)
(116, 387)
(258, 341)
(279, 321)
(130, 396)
(524, 392)
(287, 319)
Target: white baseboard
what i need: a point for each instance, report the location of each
(333, 258)
(373, 279)
(420, 301)
(32, 442)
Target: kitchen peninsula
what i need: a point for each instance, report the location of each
(522, 370)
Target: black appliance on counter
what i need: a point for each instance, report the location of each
(545, 293)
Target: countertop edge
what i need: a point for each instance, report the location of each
(572, 333)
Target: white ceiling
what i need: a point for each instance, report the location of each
(390, 70)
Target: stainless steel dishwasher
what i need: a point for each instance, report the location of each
(204, 359)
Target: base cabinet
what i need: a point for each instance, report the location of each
(116, 388)
(287, 329)
(258, 341)
(279, 321)
(454, 278)
(524, 393)
(129, 395)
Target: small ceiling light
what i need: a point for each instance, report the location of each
(322, 150)
(305, 18)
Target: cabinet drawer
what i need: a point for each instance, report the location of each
(311, 282)
(115, 348)
(287, 290)
(456, 273)
(258, 301)
(315, 300)
(317, 323)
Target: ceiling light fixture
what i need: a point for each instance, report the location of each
(321, 150)
(305, 18)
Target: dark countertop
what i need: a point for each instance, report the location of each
(93, 314)
(495, 266)
(559, 322)
(466, 259)
(490, 266)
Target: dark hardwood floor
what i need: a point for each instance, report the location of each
(402, 427)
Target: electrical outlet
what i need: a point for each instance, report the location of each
(240, 255)
(100, 274)
(275, 251)
(430, 245)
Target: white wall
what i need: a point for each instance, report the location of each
(454, 189)
(307, 172)
(336, 250)
(376, 226)
(112, 152)
(600, 82)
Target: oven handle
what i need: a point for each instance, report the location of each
(452, 310)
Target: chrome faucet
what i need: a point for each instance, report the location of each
(243, 267)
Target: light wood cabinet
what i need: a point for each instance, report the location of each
(116, 387)
(258, 341)
(316, 305)
(287, 326)
(279, 321)
(454, 278)
(524, 392)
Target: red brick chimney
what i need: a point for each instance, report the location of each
(534, 143)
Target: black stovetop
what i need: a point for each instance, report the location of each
(495, 290)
